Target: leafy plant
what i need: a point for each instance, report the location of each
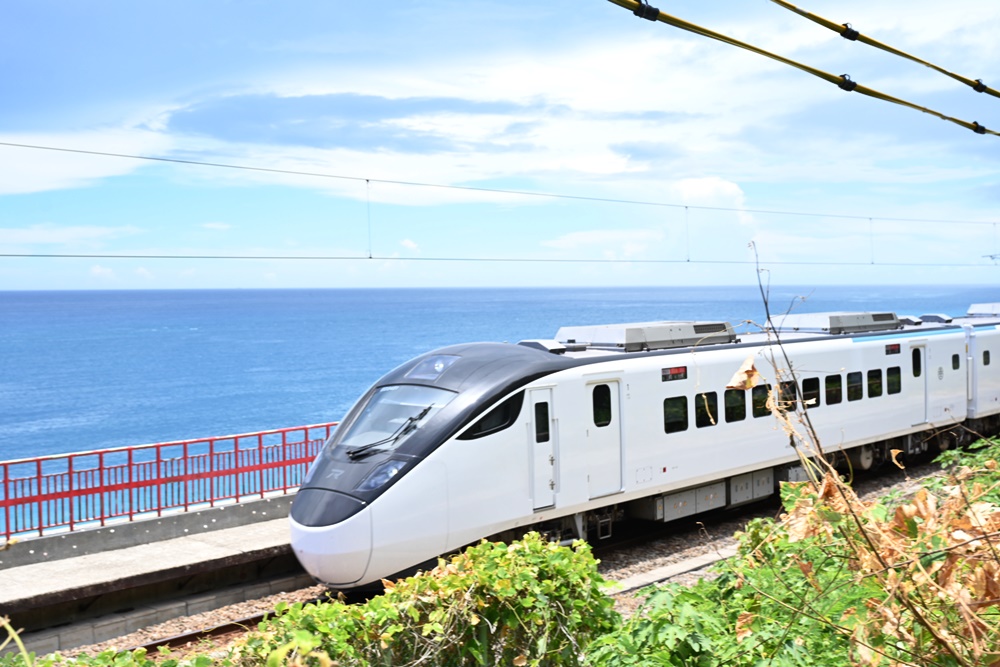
(765, 608)
(839, 581)
(530, 603)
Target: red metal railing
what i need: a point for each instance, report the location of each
(71, 491)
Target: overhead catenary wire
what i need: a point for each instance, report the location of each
(470, 188)
(501, 260)
(371, 256)
(844, 81)
(847, 32)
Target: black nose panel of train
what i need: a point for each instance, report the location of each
(319, 507)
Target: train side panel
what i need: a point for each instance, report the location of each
(984, 353)
(489, 478)
(402, 537)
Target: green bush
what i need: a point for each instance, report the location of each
(746, 617)
(842, 582)
(21, 657)
(530, 603)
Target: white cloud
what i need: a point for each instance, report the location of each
(580, 105)
(612, 243)
(410, 245)
(102, 272)
(218, 226)
(580, 101)
(49, 234)
(708, 190)
(24, 170)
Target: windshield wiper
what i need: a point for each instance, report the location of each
(404, 428)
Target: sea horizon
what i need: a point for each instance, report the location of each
(506, 287)
(95, 369)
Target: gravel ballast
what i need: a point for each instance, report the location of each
(695, 541)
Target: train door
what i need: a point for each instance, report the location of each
(542, 436)
(604, 439)
(972, 371)
(918, 367)
(984, 386)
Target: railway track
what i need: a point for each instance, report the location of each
(680, 551)
(222, 635)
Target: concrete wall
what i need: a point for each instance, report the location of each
(131, 533)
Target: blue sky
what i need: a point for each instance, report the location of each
(384, 103)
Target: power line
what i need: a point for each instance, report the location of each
(511, 260)
(642, 9)
(849, 33)
(470, 188)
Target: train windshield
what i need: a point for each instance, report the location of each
(391, 414)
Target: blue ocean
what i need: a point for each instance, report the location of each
(86, 370)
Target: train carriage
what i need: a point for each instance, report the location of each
(655, 420)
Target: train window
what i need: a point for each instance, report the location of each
(706, 409)
(917, 357)
(542, 421)
(955, 362)
(875, 383)
(390, 414)
(496, 419)
(834, 389)
(675, 414)
(810, 392)
(855, 387)
(893, 380)
(602, 405)
(786, 398)
(736, 405)
(758, 397)
(986, 357)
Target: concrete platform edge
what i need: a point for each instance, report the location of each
(102, 629)
(132, 533)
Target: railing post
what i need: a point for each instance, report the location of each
(212, 493)
(38, 485)
(72, 495)
(159, 476)
(6, 508)
(131, 484)
(190, 474)
(260, 463)
(100, 493)
(284, 459)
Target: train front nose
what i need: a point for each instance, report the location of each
(331, 536)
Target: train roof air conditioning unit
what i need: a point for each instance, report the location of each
(834, 323)
(984, 310)
(640, 336)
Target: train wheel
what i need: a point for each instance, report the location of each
(862, 458)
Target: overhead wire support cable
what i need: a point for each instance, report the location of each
(847, 32)
(470, 188)
(644, 10)
(496, 260)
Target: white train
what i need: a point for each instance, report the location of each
(570, 434)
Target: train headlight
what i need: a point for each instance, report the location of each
(381, 475)
(430, 368)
